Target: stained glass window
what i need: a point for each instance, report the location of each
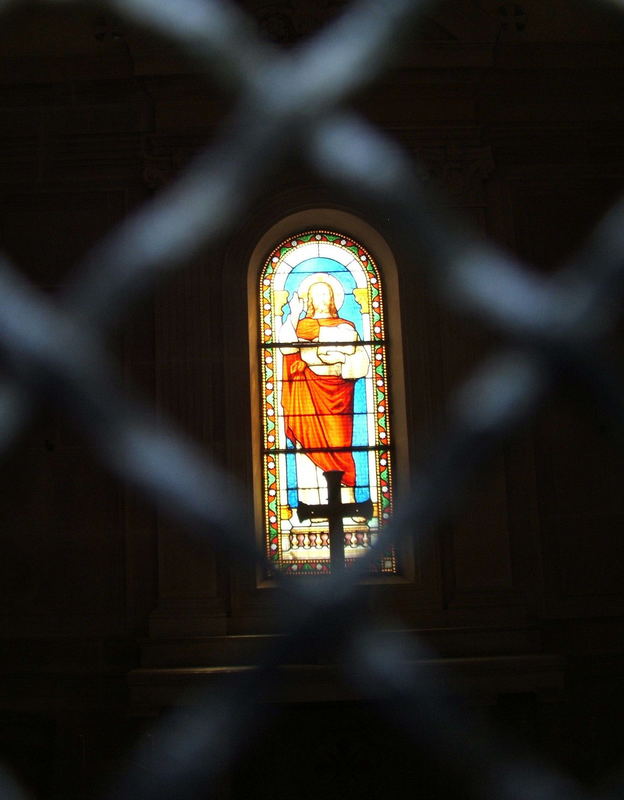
(325, 404)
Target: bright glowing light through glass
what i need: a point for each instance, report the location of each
(325, 403)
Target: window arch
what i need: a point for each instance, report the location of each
(323, 355)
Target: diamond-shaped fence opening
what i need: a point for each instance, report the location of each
(285, 102)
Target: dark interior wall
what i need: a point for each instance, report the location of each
(521, 130)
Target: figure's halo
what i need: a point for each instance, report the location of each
(323, 277)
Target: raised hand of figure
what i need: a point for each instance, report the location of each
(297, 306)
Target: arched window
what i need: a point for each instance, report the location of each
(325, 404)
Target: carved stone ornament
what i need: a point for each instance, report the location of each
(459, 171)
(287, 21)
(107, 29)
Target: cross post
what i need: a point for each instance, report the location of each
(334, 512)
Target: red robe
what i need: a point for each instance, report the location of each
(319, 408)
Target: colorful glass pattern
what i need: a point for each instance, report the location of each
(325, 403)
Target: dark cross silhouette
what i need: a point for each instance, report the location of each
(334, 512)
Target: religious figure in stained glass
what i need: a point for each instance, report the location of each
(325, 396)
(318, 386)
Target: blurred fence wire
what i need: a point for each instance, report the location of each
(294, 102)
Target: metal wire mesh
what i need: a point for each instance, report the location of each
(286, 102)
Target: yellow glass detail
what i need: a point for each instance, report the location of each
(281, 298)
(361, 295)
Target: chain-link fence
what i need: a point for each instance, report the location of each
(293, 102)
